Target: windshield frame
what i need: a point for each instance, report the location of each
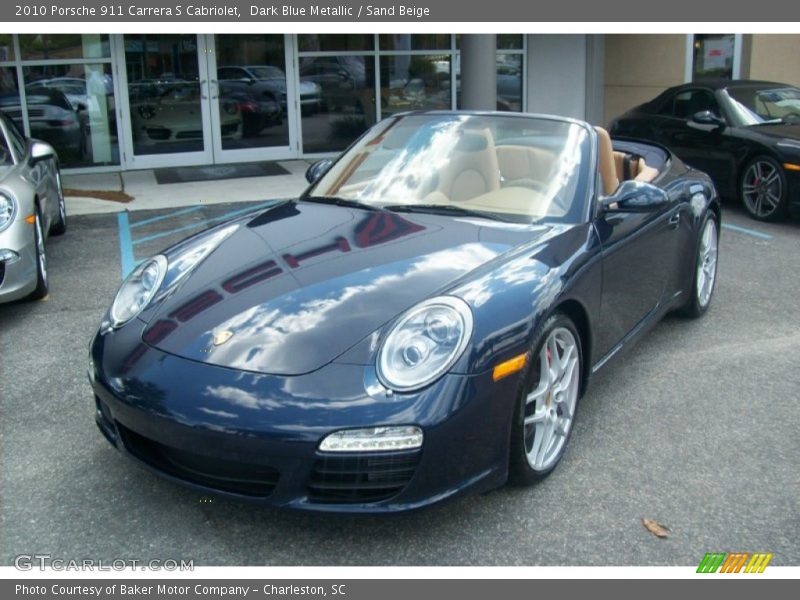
(586, 187)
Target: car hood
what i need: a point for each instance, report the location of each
(301, 283)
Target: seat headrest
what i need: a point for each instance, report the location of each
(472, 142)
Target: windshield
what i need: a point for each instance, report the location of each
(753, 105)
(266, 72)
(520, 169)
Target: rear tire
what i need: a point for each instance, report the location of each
(763, 189)
(547, 400)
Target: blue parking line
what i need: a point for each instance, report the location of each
(127, 262)
(177, 213)
(745, 230)
(228, 215)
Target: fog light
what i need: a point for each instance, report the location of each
(373, 439)
(8, 255)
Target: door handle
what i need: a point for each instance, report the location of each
(675, 220)
(201, 84)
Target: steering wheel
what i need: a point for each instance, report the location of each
(792, 116)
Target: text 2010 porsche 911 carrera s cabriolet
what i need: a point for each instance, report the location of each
(420, 323)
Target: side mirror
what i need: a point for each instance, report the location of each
(40, 151)
(318, 169)
(636, 196)
(707, 117)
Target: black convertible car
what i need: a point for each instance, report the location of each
(420, 323)
(744, 134)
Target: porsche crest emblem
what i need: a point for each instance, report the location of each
(220, 337)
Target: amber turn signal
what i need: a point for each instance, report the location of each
(512, 365)
(791, 167)
(30, 219)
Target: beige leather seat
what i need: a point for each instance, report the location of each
(605, 162)
(519, 164)
(473, 169)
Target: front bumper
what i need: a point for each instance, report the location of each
(256, 437)
(18, 276)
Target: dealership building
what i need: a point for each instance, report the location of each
(110, 102)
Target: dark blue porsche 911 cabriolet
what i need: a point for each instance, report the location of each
(420, 323)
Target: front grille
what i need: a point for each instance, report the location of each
(223, 475)
(361, 478)
(229, 129)
(189, 134)
(158, 133)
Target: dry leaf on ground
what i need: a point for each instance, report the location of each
(656, 528)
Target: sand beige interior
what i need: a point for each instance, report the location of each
(619, 166)
(515, 178)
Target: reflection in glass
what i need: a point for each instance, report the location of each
(6, 47)
(331, 42)
(250, 71)
(407, 41)
(347, 100)
(414, 82)
(72, 108)
(509, 82)
(500, 167)
(165, 94)
(505, 41)
(47, 46)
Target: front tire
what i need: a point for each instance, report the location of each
(41, 260)
(705, 269)
(547, 401)
(763, 189)
(60, 225)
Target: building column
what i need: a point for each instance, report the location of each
(479, 72)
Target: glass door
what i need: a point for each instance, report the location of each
(252, 97)
(169, 122)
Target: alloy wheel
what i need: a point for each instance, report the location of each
(762, 188)
(550, 407)
(707, 263)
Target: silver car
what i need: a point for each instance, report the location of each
(31, 208)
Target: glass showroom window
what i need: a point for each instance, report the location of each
(67, 94)
(340, 70)
(415, 82)
(72, 108)
(510, 71)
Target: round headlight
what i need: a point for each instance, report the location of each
(147, 111)
(424, 343)
(137, 290)
(7, 209)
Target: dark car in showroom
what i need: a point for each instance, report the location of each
(744, 134)
(420, 323)
(51, 117)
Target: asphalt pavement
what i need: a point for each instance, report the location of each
(696, 428)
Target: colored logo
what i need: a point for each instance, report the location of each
(734, 562)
